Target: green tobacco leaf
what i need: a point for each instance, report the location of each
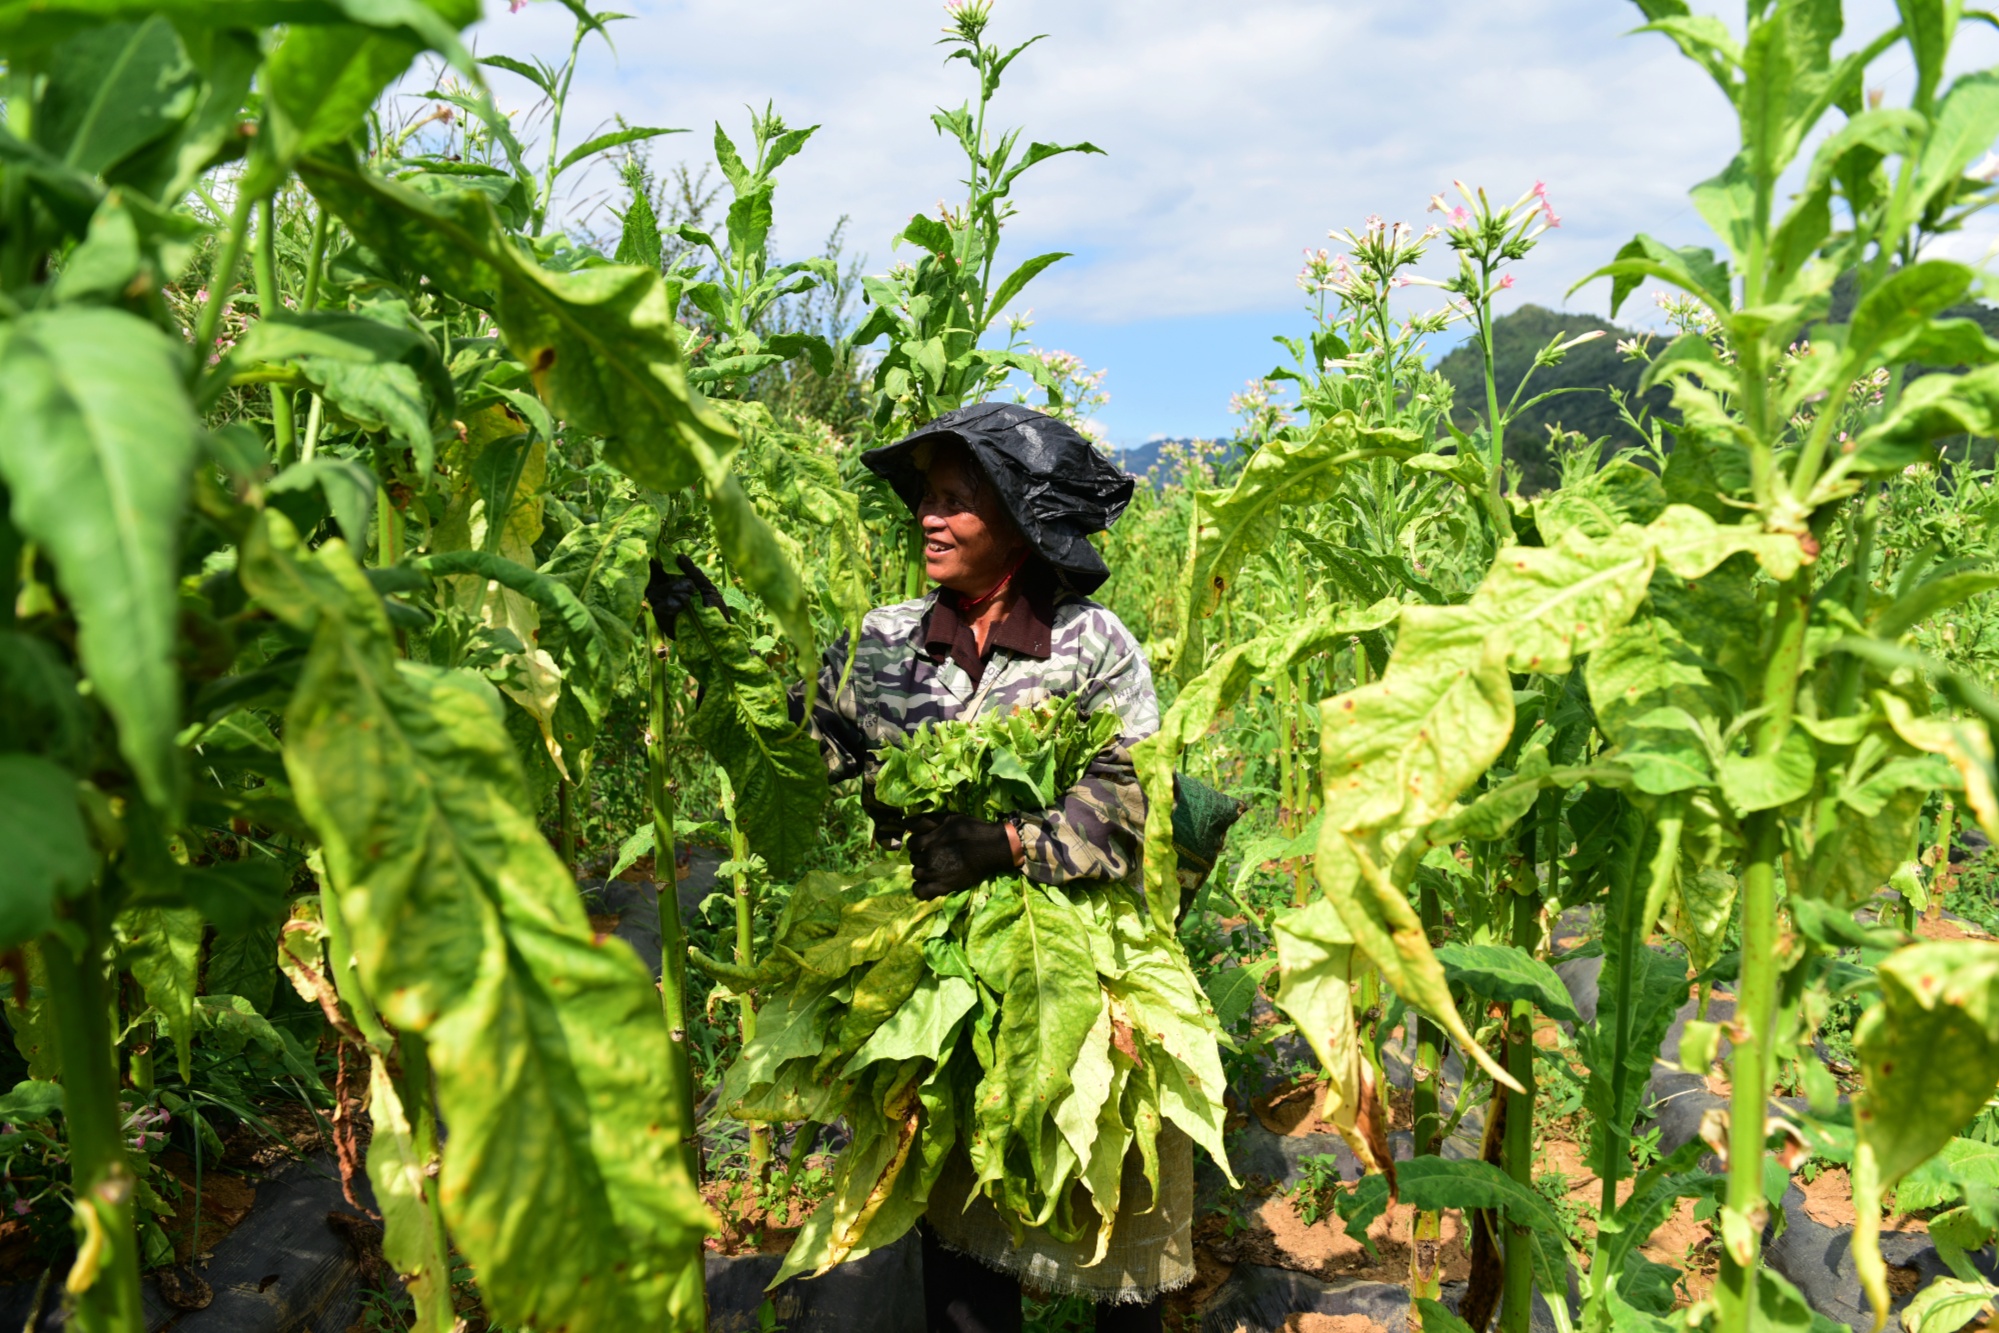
(1433, 1184)
(1233, 525)
(322, 78)
(1926, 599)
(1049, 1003)
(1232, 992)
(743, 721)
(349, 489)
(922, 1027)
(1699, 909)
(599, 342)
(1204, 699)
(1931, 407)
(31, 1099)
(591, 147)
(1396, 755)
(1652, 695)
(604, 564)
(1943, 1179)
(1929, 1055)
(97, 454)
(243, 962)
(161, 948)
(1639, 990)
(49, 855)
(380, 374)
(1965, 125)
(1506, 972)
(549, 1052)
(1765, 781)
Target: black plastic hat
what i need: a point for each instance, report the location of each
(1051, 479)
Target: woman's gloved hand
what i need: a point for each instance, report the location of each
(891, 825)
(952, 853)
(670, 594)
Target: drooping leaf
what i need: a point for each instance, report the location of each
(599, 342)
(1204, 699)
(774, 765)
(49, 856)
(406, 1196)
(161, 948)
(97, 455)
(1929, 1057)
(549, 1051)
(1506, 972)
(1230, 526)
(1317, 966)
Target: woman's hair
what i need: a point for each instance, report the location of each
(950, 449)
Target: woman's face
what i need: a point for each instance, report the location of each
(969, 541)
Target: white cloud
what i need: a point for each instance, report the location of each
(1235, 134)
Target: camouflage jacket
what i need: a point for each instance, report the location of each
(1096, 830)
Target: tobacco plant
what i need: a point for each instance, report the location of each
(1682, 695)
(347, 568)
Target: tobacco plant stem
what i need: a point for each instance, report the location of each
(1424, 1115)
(105, 1278)
(315, 264)
(673, 937)
(1425, 1250)
(565, 818)
(1517, 1302)
(689, 1301)
(270, 301)
(746, 907)
(1495, 500)
(1751, 1065)
(222, 281)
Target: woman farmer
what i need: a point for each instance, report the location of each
(1006, 497)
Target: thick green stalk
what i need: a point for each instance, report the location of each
(746, 956)
(1751, 1065)
(1426, 1118)
(17, 257)
(1495, 499)
(565, 820)
(555, 129)
(270, 301)
(1517, 1302)
(1426, 1268)
(104, 1280)
(690, 1297)
(222, 281)
(315, 264)
(673, 937)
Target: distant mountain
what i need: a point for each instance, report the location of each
(1142, 459)
(1587, 372)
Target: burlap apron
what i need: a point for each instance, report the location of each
(1151, 1249)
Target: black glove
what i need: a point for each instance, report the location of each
(670, 594)
(956, 852)
(892, 826)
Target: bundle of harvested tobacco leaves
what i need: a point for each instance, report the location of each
(1049, 1031)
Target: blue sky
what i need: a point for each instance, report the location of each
(1234, 135)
